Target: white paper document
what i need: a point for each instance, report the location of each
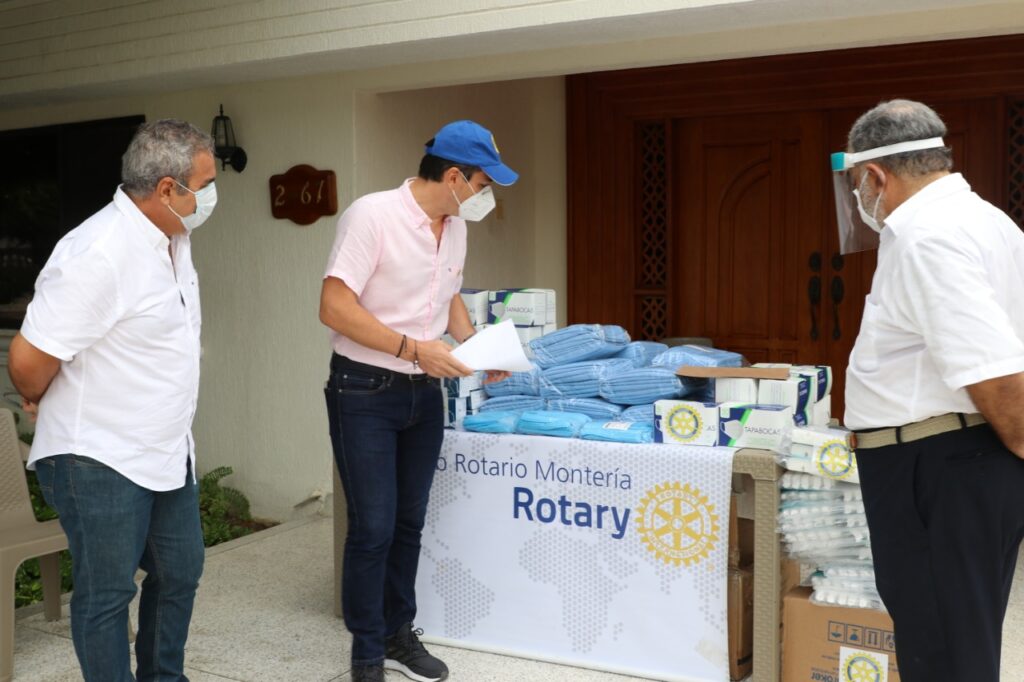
(495, 347)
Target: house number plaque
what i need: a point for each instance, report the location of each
(303, 194)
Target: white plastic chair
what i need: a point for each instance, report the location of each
(22, 538)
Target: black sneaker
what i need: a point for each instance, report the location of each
(368, 673)
(407, 655)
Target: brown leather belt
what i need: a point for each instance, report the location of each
(879, 438)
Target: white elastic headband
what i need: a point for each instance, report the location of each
(849, 160)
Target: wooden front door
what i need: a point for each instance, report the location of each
(700, 198)
(749, 193)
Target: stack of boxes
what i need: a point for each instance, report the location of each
(463, 396)
(754, 407)
(533, 311)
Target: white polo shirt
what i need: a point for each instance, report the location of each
(125, 322)
(386, 253)
(946, 309)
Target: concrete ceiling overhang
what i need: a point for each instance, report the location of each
(49, 59)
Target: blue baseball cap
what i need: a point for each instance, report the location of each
(470, 143)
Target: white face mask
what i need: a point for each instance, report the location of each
(206, 200)
(870, 219)
(477, 206)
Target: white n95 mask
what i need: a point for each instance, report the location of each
(206, 201)
(870, 219)
(477, 206)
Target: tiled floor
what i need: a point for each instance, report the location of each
(264, 613)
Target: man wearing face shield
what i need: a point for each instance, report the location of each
(108, 356)
(935, 391)
(391, 290)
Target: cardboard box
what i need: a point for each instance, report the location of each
(476, 304)
(742, 372)
(826, 642)
(462, 387)
(735, 390)
(740, 596)
(528, 334)
(823, 452)
(821, 413)
(686, 422)
(456, 410)
(753, 426)
(793, 392)
(734, 532)
(820, 377)
(549, 295)
(525, 307)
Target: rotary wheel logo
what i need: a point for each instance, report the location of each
(862, 667)
(677, 523)
(834, 460)
(684, 423)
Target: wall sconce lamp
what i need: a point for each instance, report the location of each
(224, 146)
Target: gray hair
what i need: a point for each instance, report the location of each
(902, 120)
(161, 149)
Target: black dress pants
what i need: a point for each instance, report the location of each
(946, 515)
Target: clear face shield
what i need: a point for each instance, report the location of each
(855, 234)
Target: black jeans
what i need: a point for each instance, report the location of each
(386, 429)
(946, 516)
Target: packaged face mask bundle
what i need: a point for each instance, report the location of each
(643, 385)
(492, 422)
(517, 383)
(638, 413)
(579, 379)
(595, 408)
(546, 423)
(618, 432)
(512, 403)
(642, 353)
(578, 342)
(696, 356)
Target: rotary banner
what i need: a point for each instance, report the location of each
(602, 555)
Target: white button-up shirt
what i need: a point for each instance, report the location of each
(386, 253)
(946, 309)
(124, 319)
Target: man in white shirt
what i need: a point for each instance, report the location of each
(935, 391)
(108, 356)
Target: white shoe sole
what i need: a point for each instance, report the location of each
(392, 664)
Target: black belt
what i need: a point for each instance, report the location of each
(340, 363)
(944, 423)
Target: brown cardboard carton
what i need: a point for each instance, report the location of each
(734, 533)
(835, 644)
(737, 372)
(741, 622)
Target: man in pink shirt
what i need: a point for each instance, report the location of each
(390, 292)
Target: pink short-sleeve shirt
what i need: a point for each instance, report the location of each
(385, 252)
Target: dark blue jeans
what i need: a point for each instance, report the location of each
(115, 527)
(386, 429)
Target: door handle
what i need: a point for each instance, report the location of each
(838, 291)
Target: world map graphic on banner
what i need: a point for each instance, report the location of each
(578, 551)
